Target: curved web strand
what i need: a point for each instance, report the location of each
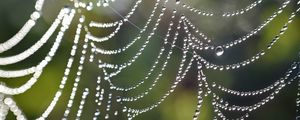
(39, 69)
(25, 29)
(160, 74)
(162, 50)
(64, 79)
(127, 46)
(116, 23)
(202, 46)
(136, 56)
(224, 14)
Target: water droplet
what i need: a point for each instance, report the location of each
(89, 7)
(294, 66)
(119, 99)
(219, 51)
(106, 116)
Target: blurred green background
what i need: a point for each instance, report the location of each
(182, 103)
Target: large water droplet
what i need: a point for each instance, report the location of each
(219, 50)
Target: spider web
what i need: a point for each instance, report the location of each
(168, 41)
